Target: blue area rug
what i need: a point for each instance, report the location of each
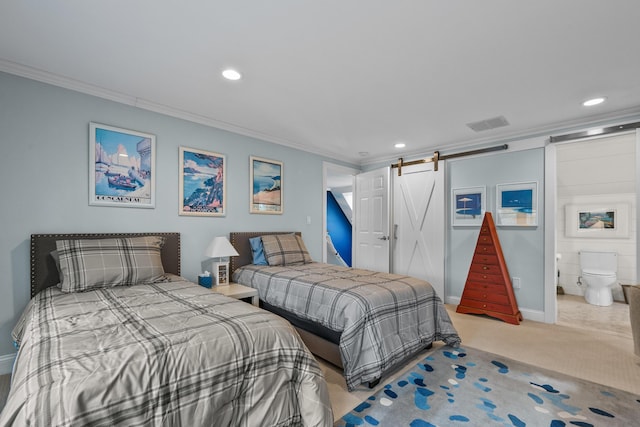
(465, 386)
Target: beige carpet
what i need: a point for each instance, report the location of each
(601, 356)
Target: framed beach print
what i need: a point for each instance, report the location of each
(202, 183)
(121, 167)
(607, 220)
(266, 186)
(468, 206)
(517, 204)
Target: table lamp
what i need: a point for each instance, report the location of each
(220, 248)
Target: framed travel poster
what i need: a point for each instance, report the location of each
(266, 186)
(202, 183)
(517, 204)
(121, 167)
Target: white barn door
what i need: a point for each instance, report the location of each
(419, 223)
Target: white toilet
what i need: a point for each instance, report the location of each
(598, 271)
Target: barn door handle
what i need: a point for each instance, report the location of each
(395, 231)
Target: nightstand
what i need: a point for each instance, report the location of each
(235, 290)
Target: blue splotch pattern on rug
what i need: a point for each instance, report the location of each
(469, 387)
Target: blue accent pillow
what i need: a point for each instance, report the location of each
(257, 251)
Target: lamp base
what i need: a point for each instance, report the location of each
(220, 273)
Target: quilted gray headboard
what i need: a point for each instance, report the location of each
(44, 272)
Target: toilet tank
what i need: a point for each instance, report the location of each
(603, 261)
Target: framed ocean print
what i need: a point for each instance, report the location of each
(517, 204)
(468, 206)
(202, 183)
(121, 167)
(607, 220)
(266, 186)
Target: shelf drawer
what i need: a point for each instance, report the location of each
(484, 259)
(485, 249)
(485, 287)
(486, 269)
(485, 239)
(499, 308)
(478, 295)
(485, 278)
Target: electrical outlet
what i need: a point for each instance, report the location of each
(515, 281)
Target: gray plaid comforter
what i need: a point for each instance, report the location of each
(172, 354)
(384, 318)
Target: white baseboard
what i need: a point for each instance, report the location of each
(535, 315)
(6, 363)
(452, 300)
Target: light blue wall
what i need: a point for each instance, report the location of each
(44, 133)
(523, 248)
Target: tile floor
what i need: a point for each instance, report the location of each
(574, 311)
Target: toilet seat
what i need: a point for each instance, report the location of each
(599, 273)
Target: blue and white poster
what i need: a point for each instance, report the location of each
(468, 206)
(517, 204)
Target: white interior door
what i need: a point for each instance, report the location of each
(372, 220)
(419, 224)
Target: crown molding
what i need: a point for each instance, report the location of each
(88, 89)
(584, 123)
(64, 82)
(207, 121)
(79, 86)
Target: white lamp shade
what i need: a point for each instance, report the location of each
(220, 247)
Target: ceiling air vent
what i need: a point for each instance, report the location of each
(487, 124)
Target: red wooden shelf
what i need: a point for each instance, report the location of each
(488, 288)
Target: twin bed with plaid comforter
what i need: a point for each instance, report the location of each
(169, 354)
(384, 318)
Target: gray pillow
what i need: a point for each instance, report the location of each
(285, 249)
(99, 263)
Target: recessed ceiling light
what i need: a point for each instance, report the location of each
(231, 74)
(400, 145)
(594, 101)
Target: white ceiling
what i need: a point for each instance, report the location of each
(341, 77)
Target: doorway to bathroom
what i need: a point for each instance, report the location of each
(596, 190)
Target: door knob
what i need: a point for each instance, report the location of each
(383, 238)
